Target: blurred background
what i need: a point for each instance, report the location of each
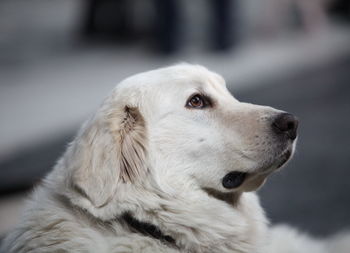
(60, 58)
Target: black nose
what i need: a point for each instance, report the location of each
(287, 124)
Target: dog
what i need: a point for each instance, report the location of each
(169, 163)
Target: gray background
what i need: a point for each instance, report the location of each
(51, 79)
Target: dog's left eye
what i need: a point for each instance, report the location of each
(197, 101)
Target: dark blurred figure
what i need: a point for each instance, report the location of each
(341, 8)
(223, 33)
(167, 24)
(110, 18)
(113, 18)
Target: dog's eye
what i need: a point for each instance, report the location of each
(197, 101)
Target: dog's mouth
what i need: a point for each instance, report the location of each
(253, 180)
(284, 158)
(234, 179)
(276, 163)
(237, 182)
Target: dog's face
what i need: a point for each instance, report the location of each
(200, 133)
(182, 127)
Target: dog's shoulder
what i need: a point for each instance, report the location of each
(47, 225)
(50, 223)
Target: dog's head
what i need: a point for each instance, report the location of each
(181, 128)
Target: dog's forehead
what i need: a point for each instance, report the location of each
(182, 78)
(195, 74)
(189, 76)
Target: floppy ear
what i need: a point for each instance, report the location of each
(130, 136)
(110, 151)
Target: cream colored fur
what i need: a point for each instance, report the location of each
(144, 152)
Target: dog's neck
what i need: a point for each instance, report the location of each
(195, 221)
(147, 228)
(210, 220)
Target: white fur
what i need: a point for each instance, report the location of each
(144, 152)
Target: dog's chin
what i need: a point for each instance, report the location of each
(246, 182)
(251, 181)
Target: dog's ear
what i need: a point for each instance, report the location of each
(110, 151)
(130, 137)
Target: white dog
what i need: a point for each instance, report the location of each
(169, 163)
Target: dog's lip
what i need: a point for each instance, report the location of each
(284, 158)
(254, 180)
(278, 162)
(234, 179)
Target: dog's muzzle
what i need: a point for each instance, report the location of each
(285, 126)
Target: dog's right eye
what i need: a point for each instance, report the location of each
(197, 101)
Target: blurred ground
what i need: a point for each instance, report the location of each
(50, 80)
